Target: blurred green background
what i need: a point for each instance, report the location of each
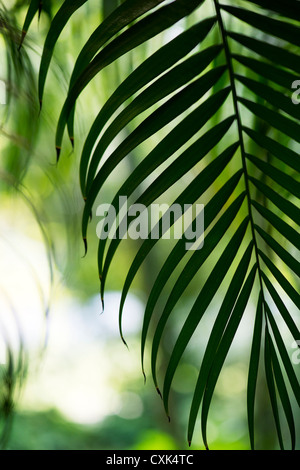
(82, 388)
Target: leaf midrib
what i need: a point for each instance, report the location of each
(228, 57)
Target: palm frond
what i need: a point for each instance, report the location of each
(230, 107)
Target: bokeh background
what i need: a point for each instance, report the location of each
(81, 387)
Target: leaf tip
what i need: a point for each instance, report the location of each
(40, 9)
(124, 341)
(58, 150)
(85, 246)
(102, 305)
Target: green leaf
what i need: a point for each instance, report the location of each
(168, 112)
(137, 34)
(278, 301)
(202, 302)
(287, 156)
(190, 270)
(223, 348)
(273, 97)
(108, 6)
(174, 172)
(269, 71)
(280, 122)
(216, 335)
(284, 180)
(277, 28)
(284, 283)
(286, 206)
(283, 394)
(274, 54)
(34, 7)
(286, 257)
(211, 210)
(119, 18)
(288, 8)
(153, 94)
(57, 25)
(169, 145)
(151, 68)
(253, 368)
(286, 230)
(126, 13)
(271, 386)
(198, 187)
(284, 355)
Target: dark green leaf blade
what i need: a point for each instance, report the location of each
(271, 386)
(173, 80)
(31, 12)
(189, 272)
(125, 14)
(175, 171)
(224, 347)
(286, 206)
(286, 257)
(283, 124)
(202, 302)
(271, 52)
(216, 336)
(211, 210)
(281, 29)
(284, 283)
(152, 124)
(277, 299)
(165, 114)
(283, 179)
(119, 18)
(137, 34)
(284, 355)
(281, 387)
(273, 97)
(269, 71)
(286, 155)
(198, 187)
(160, 154)
(253, 368)
(151, 68)
(288, 8)
(286, 230)
(68, 8)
